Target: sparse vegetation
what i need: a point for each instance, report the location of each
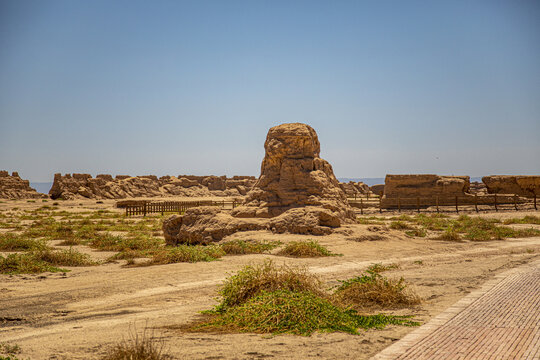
(304, 249)
(237, 247)
(280, 299)
(25, 263)
(138, 347)
(15, 242)
(296, 312)
(400, 225)
(186, 253)
(372, 289)
(253, 279)
(463, 228)
(528, 219)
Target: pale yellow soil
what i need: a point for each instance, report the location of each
(77, 315)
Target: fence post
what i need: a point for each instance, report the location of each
(437, 202)
(476, 202)
(496, 203)
(361, 206)
(144, 209)
(515, 201)
(535, 202)
(418, 204)
(380, 204)
(457, 210)
(398, 204)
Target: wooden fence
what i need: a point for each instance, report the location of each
(492, 200)
(174, 206)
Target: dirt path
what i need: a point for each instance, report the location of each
(78, 314)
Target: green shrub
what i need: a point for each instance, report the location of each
(240, 247)
(25, 263)
(374, 290)
(400, 225)
(253, 279)
(14, 242)
(295, 312)
(186, 253)
(304, 249)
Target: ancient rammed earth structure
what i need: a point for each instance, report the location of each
(13, 187)
(296, 192)
(81, 186)
(513, 184)
(428, 190)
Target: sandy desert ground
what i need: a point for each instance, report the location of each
(80, 313)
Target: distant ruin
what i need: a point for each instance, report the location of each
(84, 186)
(13, 187)
(296, 192)
(422, 190)
(513, 184)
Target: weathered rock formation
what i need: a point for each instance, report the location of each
(513, 184)
(77, 186)
(296, 192)
(13, 187)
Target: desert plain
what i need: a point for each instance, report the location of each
(82, 311)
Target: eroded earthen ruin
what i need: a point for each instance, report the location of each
(296, 192)
(80, 186)
(13, 187)
(410, 191)
(513, 184)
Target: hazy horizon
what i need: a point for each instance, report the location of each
(192, 87)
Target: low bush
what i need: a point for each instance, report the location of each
(25, 263)
(14, 242)
(241, 247)
(139, 347)
(305, 249)
(374, 290)
(186, 253)
(253, 279)
(295, 312)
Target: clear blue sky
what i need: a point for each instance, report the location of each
(175, 87)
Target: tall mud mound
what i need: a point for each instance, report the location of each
(13, 187)
(296, 192)
(79, 186)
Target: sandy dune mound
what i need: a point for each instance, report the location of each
(296, 192)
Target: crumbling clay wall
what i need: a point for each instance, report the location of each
(296, 192)
(513, 184)
(424, 188)
(104, 186)
(352, 188)
(13, 187)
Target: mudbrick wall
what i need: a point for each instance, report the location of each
(78, 186)
(13, 187)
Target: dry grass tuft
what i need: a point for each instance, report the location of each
(305, 249)
(373, 290)
(186, 253)
(139, 347)
(253, 279)
(242, 247)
